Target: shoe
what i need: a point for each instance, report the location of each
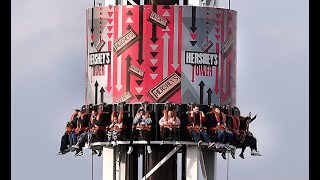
(223, 155)
(177, 143)
(233, 155)
(255, 153)
(241, 155)
(149, 149)
(114, 143)
(227, 146)
(94, 152)
(76, 146)
(80, 153)
(199, 143)
(130, 150)
(61, 153)
(72, 149)
(217, 145)
(162, 142)
(211, 144)
(108, 143)
(100, 153)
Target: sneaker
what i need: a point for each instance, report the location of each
(217, 145)
(223, 155)
(94, 152)
(162, 142)
(233, 155)
(100, 153)
(80, 153)
(211, 144)
(199, 143)
(61, 152)
(76, 146)
(108, 143)
(130, 150)
(72, 149)
(227, 146)
(114, 143)
(255, 153)
(149, 149)
(241, 155)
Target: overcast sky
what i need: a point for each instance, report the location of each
(48, 82)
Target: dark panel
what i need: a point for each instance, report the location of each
(168, 171)
(132, 164)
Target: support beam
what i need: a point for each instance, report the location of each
(123, 159)
(175, 149)
(191, 163)
(140, 165)
(202, 164)
(179, 166)
(132, 2)
(120, 164)
(210, 159)
(108, 163)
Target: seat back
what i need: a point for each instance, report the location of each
(103, 119)
(231, 122)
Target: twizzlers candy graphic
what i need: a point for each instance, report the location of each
(166, 88)
(125, 41)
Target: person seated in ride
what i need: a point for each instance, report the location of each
(73, 134)
(69, 132)
(141, 127)
(232, 125)
(88, 134)
(224, 135)
(115, 128)
(249, 139)
(168, 123)
(195, 128)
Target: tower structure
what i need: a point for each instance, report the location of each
(159, 53)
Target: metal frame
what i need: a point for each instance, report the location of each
(171, 153)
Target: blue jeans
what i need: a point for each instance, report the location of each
(73, 138)
(197, 138)
(221, 133)
(64, 142)
(228, 135)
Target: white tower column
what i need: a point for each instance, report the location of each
(193, 170)
(200, 165)
(108, 163)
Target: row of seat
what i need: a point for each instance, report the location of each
(235, 122)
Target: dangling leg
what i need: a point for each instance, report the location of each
(115, 137)
(109, 136)
(147, 137)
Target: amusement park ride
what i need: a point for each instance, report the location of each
(160, 56)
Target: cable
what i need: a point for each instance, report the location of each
(228, 166)
(91, 166)
(145, 162)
